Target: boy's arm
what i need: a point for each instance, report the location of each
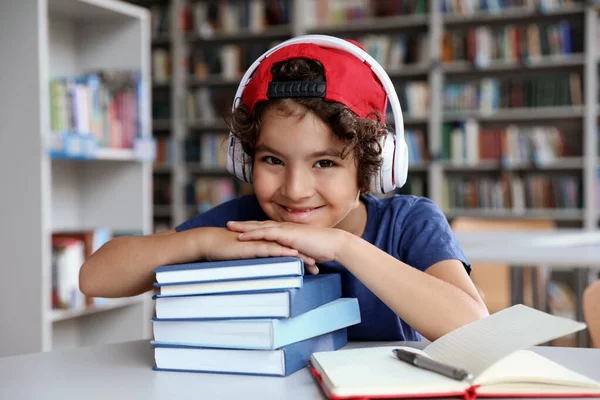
(124, 266)
(445, 295)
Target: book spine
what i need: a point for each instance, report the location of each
(316, 291)
(330, 317)
(298, 354)
(225, 280)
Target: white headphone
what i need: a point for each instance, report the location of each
(394, 168)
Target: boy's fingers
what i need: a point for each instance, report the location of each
(251, 229)
(313, 269)
(274, 249)
(248, 225)
(285, 251)
(267, 249)
(309, 264)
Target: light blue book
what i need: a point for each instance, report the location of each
(278, 362)
(258, 333)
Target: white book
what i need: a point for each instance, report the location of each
(237, 286)
(472, 141)
(457, 139)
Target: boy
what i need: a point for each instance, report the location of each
(312, 162)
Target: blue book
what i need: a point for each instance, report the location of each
(316, 291)
(565, 34)
(271, 333)
(278, 362)
(229, 270)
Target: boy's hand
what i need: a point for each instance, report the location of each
(223, 244)
(322, 244)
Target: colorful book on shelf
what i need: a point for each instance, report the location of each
(493, 350)
(103, 105)
(68, 254)
(92, 240)
(265, 334)
(277, 362)
(316, 291)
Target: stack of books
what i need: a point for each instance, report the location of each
(259, 316)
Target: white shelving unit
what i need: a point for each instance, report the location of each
(39, 40)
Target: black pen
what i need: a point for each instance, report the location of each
(429, 364)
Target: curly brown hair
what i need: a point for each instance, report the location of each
(360, 135)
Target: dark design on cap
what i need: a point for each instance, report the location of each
(280, 90)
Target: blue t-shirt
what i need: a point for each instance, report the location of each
(410, 228)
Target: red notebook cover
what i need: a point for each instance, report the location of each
(349, 373)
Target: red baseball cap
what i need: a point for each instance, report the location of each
(348, 80)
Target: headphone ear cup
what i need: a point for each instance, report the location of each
(383, 181)
(238, 162)
(401, 165)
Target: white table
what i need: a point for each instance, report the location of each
(124, 371)
(572, 249)
(551, 248)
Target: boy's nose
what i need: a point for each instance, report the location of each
(298, 185)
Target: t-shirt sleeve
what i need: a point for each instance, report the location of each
(244, 208)
(427, 237)
(215, 217)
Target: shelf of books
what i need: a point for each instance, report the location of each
(162, 17)
(85, 108)
(464, 13)
(397, 35)
(218, 55)
(502, 103)
(162, 113)
(519, 118)
(514, 111)
(220, 42)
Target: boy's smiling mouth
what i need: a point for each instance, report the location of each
(297, 214)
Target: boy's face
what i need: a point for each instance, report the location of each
(299, 175)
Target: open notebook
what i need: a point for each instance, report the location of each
(491, 349)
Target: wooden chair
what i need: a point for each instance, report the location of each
(591, 311)
(493, 280)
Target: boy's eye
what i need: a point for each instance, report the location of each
(272, 160)
(325, 164)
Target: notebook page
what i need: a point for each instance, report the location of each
(525, 366)
(376, 371)
(478, 345)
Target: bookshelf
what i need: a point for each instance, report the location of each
(45, 191)
(423, 83)
(576, 122)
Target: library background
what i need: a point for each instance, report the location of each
(110, 124)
